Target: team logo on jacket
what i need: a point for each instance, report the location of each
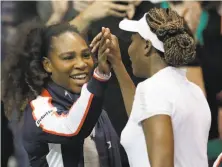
(38, 121)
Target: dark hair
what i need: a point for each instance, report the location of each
(23, 75)
(171, 29)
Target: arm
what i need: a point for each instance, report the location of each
(80, 119)
(154, 113)
(59, 10)
(218, 161)
(159, 140)
(126, 85)
(82, 21)
(110, 47)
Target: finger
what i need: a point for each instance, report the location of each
(116, 14)
(105, 46)
(136, 3)
(113, 38)
(80, 5)
(102, 41)
(103, 30)
(95, 47)
(107, 33)
(118, 7)
(106, 30)
(96, 39)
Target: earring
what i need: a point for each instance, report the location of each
(148, 48)
(147, 44)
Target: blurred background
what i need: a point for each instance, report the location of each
(204, 19)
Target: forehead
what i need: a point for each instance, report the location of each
(68, 42)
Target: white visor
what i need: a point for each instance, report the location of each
(143, 29)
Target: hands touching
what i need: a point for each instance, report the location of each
(103, 64)
(108, 47)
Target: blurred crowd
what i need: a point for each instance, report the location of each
(203, 18)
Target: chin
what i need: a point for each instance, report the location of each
(76, 89)
(138, 74)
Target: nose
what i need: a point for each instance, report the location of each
(129, 49)
(131, 37)
(80, 64)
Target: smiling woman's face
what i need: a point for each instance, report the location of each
(69, 61)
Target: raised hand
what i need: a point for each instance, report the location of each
(108, 44)
(103, 64)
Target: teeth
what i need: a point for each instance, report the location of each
(82, 76)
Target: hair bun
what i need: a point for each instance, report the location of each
(169, 27)
(184, 41)
(169, 30)
(165, 23)
(179, 50)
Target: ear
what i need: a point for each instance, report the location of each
(147, 48)
(47, 65)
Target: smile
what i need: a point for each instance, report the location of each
(79, 76)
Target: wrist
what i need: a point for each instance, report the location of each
(86, 16)
(81, 22)
(101, 76)
(116, 65)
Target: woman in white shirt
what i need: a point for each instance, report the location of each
(170, 119)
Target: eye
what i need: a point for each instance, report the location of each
(86, 55)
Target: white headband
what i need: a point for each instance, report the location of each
(143, 29)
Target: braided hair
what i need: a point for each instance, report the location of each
(23, 75)
(170, 28)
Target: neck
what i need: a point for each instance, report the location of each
(157, 64)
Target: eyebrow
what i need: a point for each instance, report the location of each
(86, 50)
(74, 53)
(64, 53)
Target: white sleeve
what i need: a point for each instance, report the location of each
(151, 101)
(83, 114)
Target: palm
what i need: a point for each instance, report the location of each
(115, 54)
(103, 64)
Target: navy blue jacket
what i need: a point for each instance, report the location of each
(53, 134)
